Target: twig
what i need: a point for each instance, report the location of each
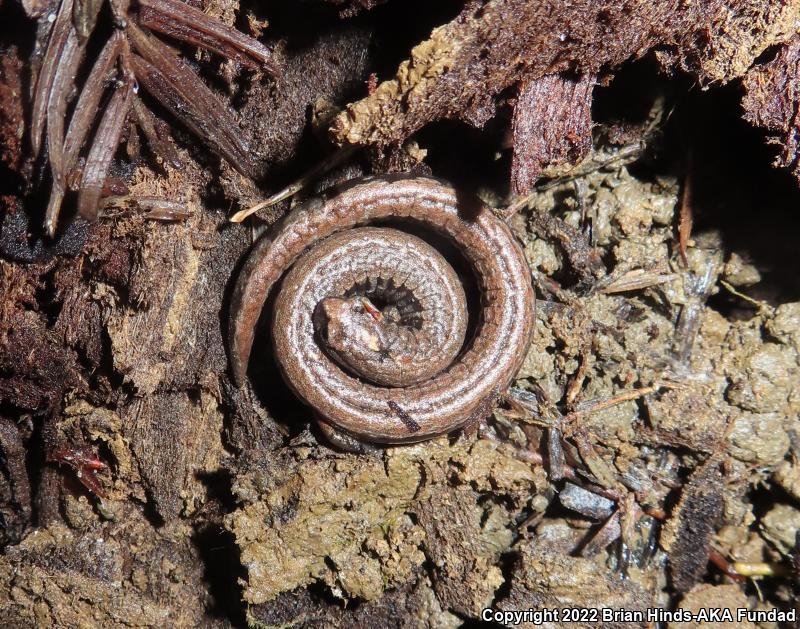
(331, 161)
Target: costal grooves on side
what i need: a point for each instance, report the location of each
(381, 414)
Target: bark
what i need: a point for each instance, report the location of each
(772, 102)
(552, 124)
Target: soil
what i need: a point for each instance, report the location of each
(648, 453)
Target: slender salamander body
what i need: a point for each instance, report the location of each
(368, 326)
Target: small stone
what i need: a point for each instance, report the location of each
(759, 438)
(780, 525)
(740, 273)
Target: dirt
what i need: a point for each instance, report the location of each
(139, 486)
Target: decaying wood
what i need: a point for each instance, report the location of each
(552, 124)
(349, 8)
(694, 519)
(495, 44)
(772, 101)
(15, 487)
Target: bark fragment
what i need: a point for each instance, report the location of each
(174, 440)
(12, 114)
(35, 367)
(547, 579)
(772, 102)
(114, 576)
(493, 44)
(688, 535)
(552, 124)
(15, 487)
(349, 8)
(464, 556)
